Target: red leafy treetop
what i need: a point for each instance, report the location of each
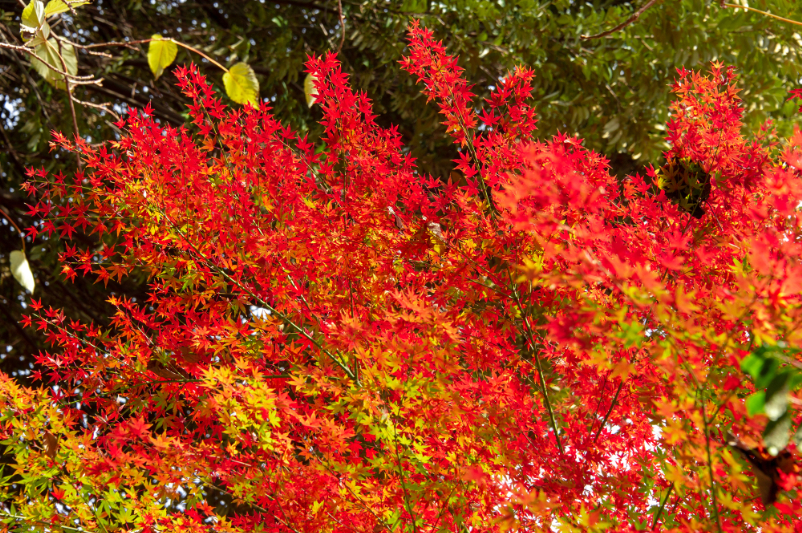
(336, 342)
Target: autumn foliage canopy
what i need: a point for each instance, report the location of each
(335, 341)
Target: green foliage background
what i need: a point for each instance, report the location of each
(612, 91)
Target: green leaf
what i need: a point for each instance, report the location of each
(755, 403)
(612, 126)
(54, 7)
(796, 379)
(241, 49)
(34, 28)
(21, 270)
(161, 53)
(414, 6)
(309, 89)
(776, 435)
(33, 128)
(39, 38)
(767, 373)
(49, 52)
(241, 84)
(752, 365)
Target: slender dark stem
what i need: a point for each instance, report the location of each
(11, 151)
(764, 13)
(662, 506)
(101, 107)
(408, 505)
(283, 317)
(635, 16)
(486, 191)
(710, 468)
(21, 234)
(68, 87)
(538, 365)
(191, 49)
(342, 24)
(443, 508)
(601, 395)
(609, 411)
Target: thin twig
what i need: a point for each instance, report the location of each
(342, 24)
(21, 234)
(537, 365)
(24, 49)
(486, 190)
(130, 44)
(12, 152)
(69, 4)
(635, 16)
(403, 482)
(282, 316)
(102, 107)
(28, 77)
(710, 468)
(662, 506)
(764, 13)
(83, 47)
(209, 59)
(68, 87)
(601, 395)
(609, 411)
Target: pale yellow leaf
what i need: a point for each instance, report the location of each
(161, 53)
(32, 16)
(21, 270)
(49, 51)
(54, 7)
(309, 89)
(241, 84)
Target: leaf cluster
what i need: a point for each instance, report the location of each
(334, 339)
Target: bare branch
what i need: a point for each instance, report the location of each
(30, 52)
(101, 107)
(83, 47)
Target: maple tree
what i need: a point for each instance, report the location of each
(341, 343)
(611, 87)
